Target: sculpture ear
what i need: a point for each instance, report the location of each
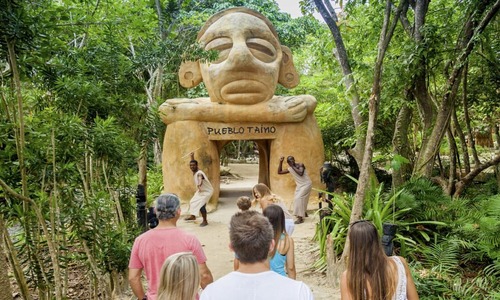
(190, 74)
(288, 77)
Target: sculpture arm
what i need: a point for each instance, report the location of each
(277, 110)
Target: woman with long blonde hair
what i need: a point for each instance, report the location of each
(179, 277)
(263, 195)
(372, 275)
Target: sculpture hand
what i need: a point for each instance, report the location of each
(288, 109)
(297, 109)
(179, 109)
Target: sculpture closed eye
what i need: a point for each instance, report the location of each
(221, 44)
(262, 50)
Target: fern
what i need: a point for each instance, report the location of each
(442, 257)
(493, 270)
(429, 199)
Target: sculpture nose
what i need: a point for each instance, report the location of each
(241, 58)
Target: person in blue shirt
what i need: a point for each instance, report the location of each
(282, 257)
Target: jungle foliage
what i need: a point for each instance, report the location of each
(80, 83)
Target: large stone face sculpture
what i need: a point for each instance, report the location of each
(241, 106)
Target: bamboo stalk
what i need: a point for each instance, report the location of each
(50, 242)
(14, 262)
(121, 219)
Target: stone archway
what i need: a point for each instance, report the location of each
(208, 140)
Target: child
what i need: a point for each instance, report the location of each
(244, 203)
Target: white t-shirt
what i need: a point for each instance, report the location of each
(260, 286)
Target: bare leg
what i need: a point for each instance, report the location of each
(203, 211)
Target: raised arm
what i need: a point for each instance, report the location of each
(280, 166)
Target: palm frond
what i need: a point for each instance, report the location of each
(442, 257)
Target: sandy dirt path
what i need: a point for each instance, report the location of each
(215, 236)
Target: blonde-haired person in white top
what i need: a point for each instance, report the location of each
(370, 274)
(179, 277)
(263, 195)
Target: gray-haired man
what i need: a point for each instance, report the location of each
(154, 246)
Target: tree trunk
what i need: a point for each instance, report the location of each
(55, 220)
(466, 180)
(161, 26)
(16, 266)
(463, 143)
(334, 268)
(143, 170)
(458, 127)
(497, 147)
(470, 134)
(29, 227)
(452, 172)
(420, 92)
(401, 145)
(341, 54)
(20, 114)
(364, 177)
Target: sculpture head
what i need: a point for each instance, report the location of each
(251, 59)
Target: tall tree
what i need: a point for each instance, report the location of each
(479, 17)
(329, 15)
(386, 34)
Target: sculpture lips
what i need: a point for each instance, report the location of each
(244, 91)
(242, 87)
